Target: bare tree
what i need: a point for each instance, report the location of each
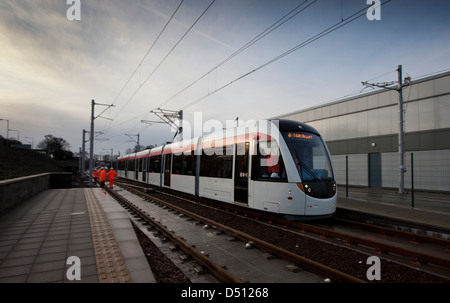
(55, 147)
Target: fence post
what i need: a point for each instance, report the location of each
(346, 176)
(412, 180)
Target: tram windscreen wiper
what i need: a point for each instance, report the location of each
(310, 171)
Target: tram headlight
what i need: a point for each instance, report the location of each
(319, 191)
(305, 188)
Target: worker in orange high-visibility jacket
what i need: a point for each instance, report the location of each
(112, 176)
(95, 174)
(102, 177)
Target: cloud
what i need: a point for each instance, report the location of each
(51, 68)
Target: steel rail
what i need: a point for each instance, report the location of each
(382, 247)
(216, 270)
(294, 225)
(405, 234)
(306, 263)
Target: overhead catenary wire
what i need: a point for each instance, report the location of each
(161, 62)
(305, 4)
(334, 27)
(168, 54)
(145, 57)
(291, 14)
(105, 128)
(325, 32)
(278, 23)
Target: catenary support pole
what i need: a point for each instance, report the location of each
(412, 180)
(83, 155)
(401, 121)
(401, 151)
(91, 145)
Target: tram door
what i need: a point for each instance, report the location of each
(137, 168)
(241, 173)
(144, 169)
(167, 165)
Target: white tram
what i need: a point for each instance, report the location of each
(279, 166)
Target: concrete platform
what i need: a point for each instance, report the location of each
(38, 236)
(428, 209)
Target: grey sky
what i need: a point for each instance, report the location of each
(51, 68)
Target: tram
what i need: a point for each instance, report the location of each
(277, 166)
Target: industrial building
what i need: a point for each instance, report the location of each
(365, 130)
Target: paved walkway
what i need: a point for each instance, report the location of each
(38, 236)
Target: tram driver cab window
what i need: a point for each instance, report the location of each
(267, 163)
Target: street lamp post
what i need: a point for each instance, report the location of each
(7, 127)
(18, 134)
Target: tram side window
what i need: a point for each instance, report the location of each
(155, 164)
(217, 162)
(145, 164)
(184, 164)
(267, 164)
(120, 165)
(131, 165)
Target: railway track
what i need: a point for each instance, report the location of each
(216, 269)
(415, 256)
(296, 254)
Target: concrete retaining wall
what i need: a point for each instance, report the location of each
(17, 190)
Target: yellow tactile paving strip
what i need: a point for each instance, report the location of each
(111, 267)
